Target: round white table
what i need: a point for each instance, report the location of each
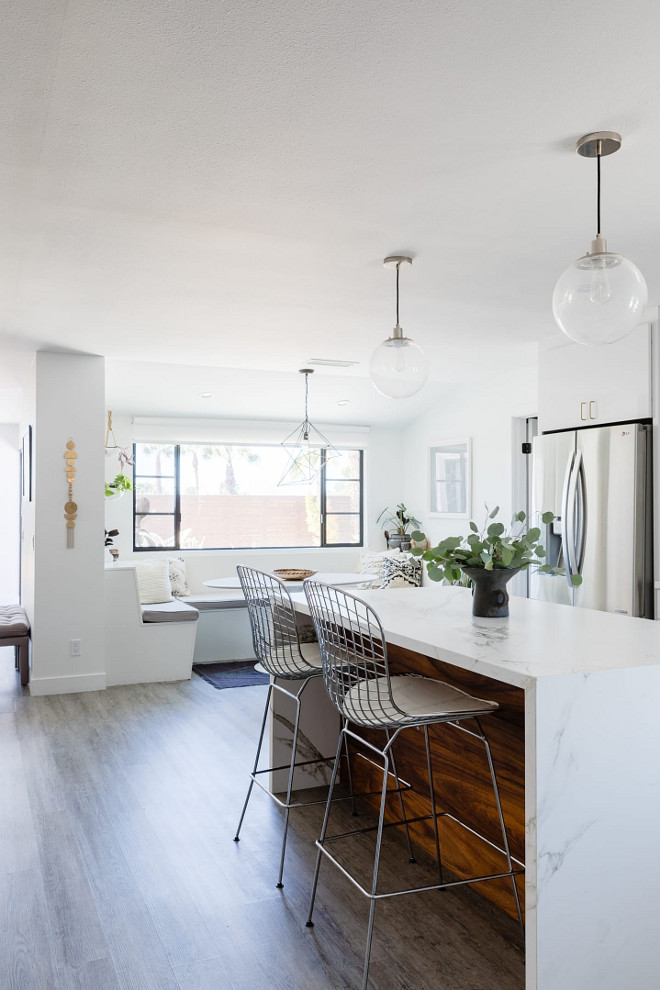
(326, 576)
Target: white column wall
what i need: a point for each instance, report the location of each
(68, 583)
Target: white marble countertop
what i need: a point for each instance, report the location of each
(537, 640)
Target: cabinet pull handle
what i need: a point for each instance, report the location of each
(582, 407)
(592, 406)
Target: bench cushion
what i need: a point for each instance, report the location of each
(212, 603)
(13, 621)
(169, 612)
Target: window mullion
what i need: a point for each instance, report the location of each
(177, 496)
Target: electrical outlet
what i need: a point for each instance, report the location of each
(76, 647)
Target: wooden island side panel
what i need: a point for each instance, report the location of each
(461, 777)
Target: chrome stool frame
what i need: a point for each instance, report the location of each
(278, 649)
(356, 676)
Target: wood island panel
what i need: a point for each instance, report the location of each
(461, 777)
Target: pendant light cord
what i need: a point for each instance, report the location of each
(306, 396)
(397, 292)
(598, 189)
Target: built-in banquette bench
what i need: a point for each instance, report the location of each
(161, 641)
(145, 643)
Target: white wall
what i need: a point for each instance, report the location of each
(484, 414)
(9, 512)
(68, 583)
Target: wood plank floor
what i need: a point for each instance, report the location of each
(118, 869)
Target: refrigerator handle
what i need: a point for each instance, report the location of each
(567, 519)
(582, 495)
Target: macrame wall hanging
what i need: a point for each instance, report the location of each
(70, 508)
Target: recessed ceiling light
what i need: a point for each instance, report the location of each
(206, 395)
(331, 363)
(344, 402)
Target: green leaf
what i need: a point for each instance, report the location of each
(507, 555)
(533, 535)
(547, 518)
(488, 566)
(474, 527)
(494, 512)
(495, 529)
(576, 580)
(416, 551)
(520, 516)
(417, 536)
(540, 551)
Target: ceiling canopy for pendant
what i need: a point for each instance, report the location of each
(398, 367)
(304, 446)
(601, 297)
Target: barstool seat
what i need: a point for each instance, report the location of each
(416, 699)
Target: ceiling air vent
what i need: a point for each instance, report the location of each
(330, 363)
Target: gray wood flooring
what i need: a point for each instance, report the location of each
(118, 869)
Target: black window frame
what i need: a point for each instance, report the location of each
(176, 514)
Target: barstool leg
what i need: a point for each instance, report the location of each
(505, 838)
(324, 828)
(348, 770)
(256, 762)
(374, 883)
(434, 812)
(403, 810)
(292, 768)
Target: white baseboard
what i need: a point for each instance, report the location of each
(72, 684)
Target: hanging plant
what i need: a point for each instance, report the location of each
(120, 485)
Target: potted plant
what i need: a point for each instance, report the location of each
(109, 535)
(118, 486)
(400, 521)
(490, 557)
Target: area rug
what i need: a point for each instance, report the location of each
(239, 673)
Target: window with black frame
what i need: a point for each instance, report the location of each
(199, 496)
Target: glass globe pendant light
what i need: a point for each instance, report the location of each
(601, 297)
(398, 367)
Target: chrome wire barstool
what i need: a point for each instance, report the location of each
(357, 678)
(281, 654)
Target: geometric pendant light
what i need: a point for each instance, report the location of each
(304, 446)
(398, 367)
(601, 297)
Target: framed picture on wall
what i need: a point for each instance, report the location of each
(450, 478)
(26, 466)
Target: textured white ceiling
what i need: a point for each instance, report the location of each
(215, 183)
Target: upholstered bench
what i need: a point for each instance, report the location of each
(175, 611)
(15, 631)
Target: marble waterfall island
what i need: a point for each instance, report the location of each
(578, 749)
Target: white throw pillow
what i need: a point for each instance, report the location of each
(178, 578)
(153, 581)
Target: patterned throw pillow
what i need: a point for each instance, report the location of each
(178, 576)
(406, 572)
(372, 562)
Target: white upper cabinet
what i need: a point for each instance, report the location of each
(592, 386)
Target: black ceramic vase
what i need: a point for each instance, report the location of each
(490, 598)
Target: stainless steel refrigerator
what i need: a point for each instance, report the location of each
(598, 484)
